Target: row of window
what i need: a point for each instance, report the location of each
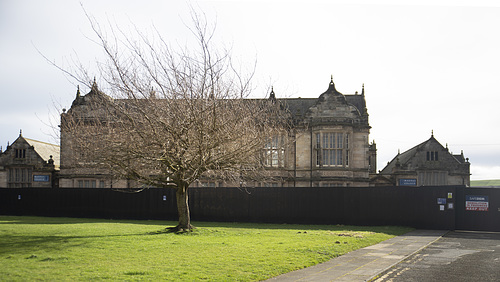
(432, 156)
(277, 184)
(90, 184)
(332, 149)
(20, 177)
(20, 153)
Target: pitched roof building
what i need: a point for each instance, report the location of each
(29, 163)
(328, 145)
(330, 140)
(427, 164)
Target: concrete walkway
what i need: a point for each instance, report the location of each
(365, 264)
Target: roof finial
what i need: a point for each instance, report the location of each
(20, 132)
(272, 96)
(78, 91)
(363, 90)
(432, 133)
(331, 87)
(94, 85)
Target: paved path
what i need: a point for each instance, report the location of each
(365, 264)
(457, 256)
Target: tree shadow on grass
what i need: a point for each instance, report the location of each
(13, 242)
(26, 243)
(71, 220)
(20, 244)
(32, 220)
(389, 230)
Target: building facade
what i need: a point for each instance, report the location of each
(75, 171)
(29, 163)
(328, 145)
(427, 164)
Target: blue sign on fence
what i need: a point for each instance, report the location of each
(41, 178)
(407, 182)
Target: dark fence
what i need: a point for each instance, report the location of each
(479, 209)
(89, 203)
(442, 207)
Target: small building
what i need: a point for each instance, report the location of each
(29, 163)
(427, 164)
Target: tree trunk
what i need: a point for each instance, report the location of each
(183, 209)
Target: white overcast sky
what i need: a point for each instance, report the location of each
(426, 65)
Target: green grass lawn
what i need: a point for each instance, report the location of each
(55, 249)
(495, 182)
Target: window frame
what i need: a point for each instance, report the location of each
(273, 153)
(332, 149)
(87, 183)
(20, 153)
(432, 156)
(19, 177)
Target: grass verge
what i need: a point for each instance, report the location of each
(485, 183)
(60, 249)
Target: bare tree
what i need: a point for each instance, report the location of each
(169, 117)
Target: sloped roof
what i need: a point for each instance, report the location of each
(460, 158)
(298, 106)
(404, 158)
(45, 150)
(357, 101)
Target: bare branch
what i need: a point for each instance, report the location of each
(174, 116)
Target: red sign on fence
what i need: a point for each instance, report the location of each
(476, 203)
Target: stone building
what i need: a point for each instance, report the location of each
(427, 164)
(74, 172)
(29, 163)
(327, 145)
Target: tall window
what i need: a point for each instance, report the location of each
(432, 156)
(20, 177)
(20, 153)
(274, 152)
(332, 149)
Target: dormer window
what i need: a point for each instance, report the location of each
(432, 156)
(20, 153)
